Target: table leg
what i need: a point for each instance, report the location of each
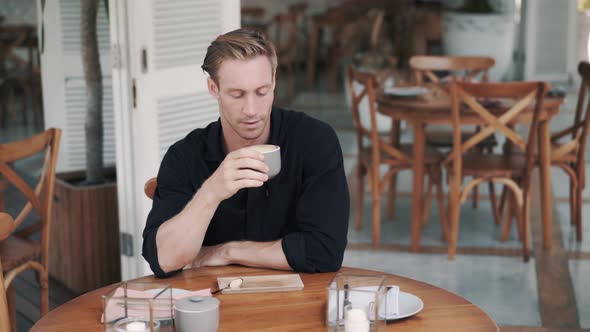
(392, 193)
(311, 57)
(418, 188)
(545, 177)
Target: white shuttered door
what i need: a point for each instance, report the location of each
(64, 93)
(164, 49)
(550, 39)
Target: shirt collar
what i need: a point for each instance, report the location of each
(214, 151)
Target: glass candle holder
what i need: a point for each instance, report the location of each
(354, 303)
(138, 307)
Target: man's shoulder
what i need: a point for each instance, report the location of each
(194, 142)
(299, 123)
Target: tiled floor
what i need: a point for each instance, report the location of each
(499, 285)
(580, 270)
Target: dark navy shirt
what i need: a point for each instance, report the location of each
(306, 204)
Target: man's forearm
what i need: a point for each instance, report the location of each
(257, 254)
(179, 239)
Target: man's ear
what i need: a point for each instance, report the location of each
(274, 79)
(213, 88)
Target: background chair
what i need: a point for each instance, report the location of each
(284, 36)
(252, 17)
(4, 316)
(513, 170)
(570, 155)
(150, 188)
(436, 69)
(379, 152)
(18, 252)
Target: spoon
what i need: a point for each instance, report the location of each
(234, 284)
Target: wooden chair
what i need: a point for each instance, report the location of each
(252, 17)
(150, 188)
(285, 40)
(4, 316)
(299, 9)
(252, 12)
(570, 155)
(17, 251)
(19, 77)
(467, 68)
(512, 170)
(379, 152)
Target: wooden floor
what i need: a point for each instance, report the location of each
(26, 291)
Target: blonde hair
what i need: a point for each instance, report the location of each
(239, 44)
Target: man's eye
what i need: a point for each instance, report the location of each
(236, 96)
(262, 92)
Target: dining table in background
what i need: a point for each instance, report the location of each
(303, 310)
(13, 36)
(320, 24)
(435, 108)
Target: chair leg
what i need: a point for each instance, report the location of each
(494, 201)
(360, 196)
(376, 220)
(509, 214)
(526, 221)
(427, 201)
(519, 222)
(391, 196)
(376, 195)
(454, 206)
(579, 228)
(44, 290)
(442, 212)
(502, 201)
(10, 298)
(475, 197)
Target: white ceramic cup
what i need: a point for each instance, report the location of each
(272, 157)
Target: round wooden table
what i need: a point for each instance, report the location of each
(286, 311)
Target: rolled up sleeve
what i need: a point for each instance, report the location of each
(322, 208)
(173, 192)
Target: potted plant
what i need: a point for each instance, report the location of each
(480, 27)
(85, 231)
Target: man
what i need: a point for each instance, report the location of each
(215, 205)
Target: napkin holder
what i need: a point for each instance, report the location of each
(354, 300)
(138, 304)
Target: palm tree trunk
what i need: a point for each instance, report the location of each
(93, 77)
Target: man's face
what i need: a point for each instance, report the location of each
(245, 94)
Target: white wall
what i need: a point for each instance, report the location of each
(64, 94)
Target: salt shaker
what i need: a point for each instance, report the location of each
(197, 312)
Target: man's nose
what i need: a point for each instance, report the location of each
(250, 106)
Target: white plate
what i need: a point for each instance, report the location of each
(409, 305)
(409, 91)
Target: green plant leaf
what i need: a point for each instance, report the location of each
(106, 8)
(42, 25)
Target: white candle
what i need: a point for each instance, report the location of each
(136, 327)
(356, 320)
